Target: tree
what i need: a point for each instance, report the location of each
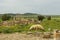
(5, 17)
(49, 18)
(40, 18)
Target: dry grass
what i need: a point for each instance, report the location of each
(20, 36)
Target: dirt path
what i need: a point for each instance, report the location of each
(20, 36)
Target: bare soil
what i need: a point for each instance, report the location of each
(21, 36)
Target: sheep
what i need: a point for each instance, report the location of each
(36, 27)
(24, 21)
(56, 34)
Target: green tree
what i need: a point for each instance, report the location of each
(40, 18)
(49, 18)
(5, 17)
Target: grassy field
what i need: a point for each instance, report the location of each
(19, 31)
(54, 23)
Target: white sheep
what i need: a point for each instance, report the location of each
(36, 27)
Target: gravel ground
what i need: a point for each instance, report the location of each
(21, 36)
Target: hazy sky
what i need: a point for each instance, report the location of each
(33, 6)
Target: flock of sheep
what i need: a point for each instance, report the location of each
(21, 21)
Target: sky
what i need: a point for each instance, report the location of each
(47, 7)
